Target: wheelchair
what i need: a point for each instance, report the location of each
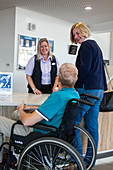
(52, 151)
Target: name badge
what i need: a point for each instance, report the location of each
(53, 64)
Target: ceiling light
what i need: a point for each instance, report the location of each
(88, 8)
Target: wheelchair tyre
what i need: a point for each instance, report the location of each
(89, 159)
(51, 154)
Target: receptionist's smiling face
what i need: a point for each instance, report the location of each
(44, 49)
(77, 36)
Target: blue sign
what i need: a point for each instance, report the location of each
(5, 82)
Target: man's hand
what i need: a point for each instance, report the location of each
(28, 119)
(21, 106)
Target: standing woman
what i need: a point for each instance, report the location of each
(42, 70)
(91, 76)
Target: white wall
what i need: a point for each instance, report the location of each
(102, 27)
(7, 32)
(103, 40)
(111, 48)
(49, 27)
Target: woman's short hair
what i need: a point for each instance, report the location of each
(38, 47)
(82, 29)
(68, 75)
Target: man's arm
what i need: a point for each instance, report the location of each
(28, 119)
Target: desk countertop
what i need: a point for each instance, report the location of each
(30, 99)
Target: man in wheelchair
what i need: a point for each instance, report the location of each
(50, 112)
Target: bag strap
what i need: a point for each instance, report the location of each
(105, 66)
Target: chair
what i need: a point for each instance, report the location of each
(53, 150)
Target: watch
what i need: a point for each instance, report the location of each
(33, 89)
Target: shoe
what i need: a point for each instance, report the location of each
(4, 160)
(71, 166)
(60, 163)
(12, 161)
(62, 155)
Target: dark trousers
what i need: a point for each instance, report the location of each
(46, 88)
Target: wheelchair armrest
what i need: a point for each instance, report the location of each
(45, 127)
(37, 126)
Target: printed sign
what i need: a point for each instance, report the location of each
(6, 79)
(26, 49)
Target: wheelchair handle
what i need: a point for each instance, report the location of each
(82, 101)
(90, 96)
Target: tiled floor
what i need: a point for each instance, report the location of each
(104, 164)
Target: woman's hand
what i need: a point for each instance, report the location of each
(55, 89)
(30, 81)
(36, 91)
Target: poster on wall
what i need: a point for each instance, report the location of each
(26, 49)
(73, 49)
(6, 79)
(51, 44)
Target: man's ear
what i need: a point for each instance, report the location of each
(77, 78)
(59, 83)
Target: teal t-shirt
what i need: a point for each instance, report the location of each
(53, 108)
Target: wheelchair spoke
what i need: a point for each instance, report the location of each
(41, 155)
(29, 165)
(35, 158)
(49, 155)
(57, 155)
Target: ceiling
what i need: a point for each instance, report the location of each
(70, 10)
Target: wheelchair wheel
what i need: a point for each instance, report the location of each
(50, 154)
(86, 142)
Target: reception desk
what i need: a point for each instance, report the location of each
(106, 121)
(105, 131)
(9, 104)
(30, 99)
